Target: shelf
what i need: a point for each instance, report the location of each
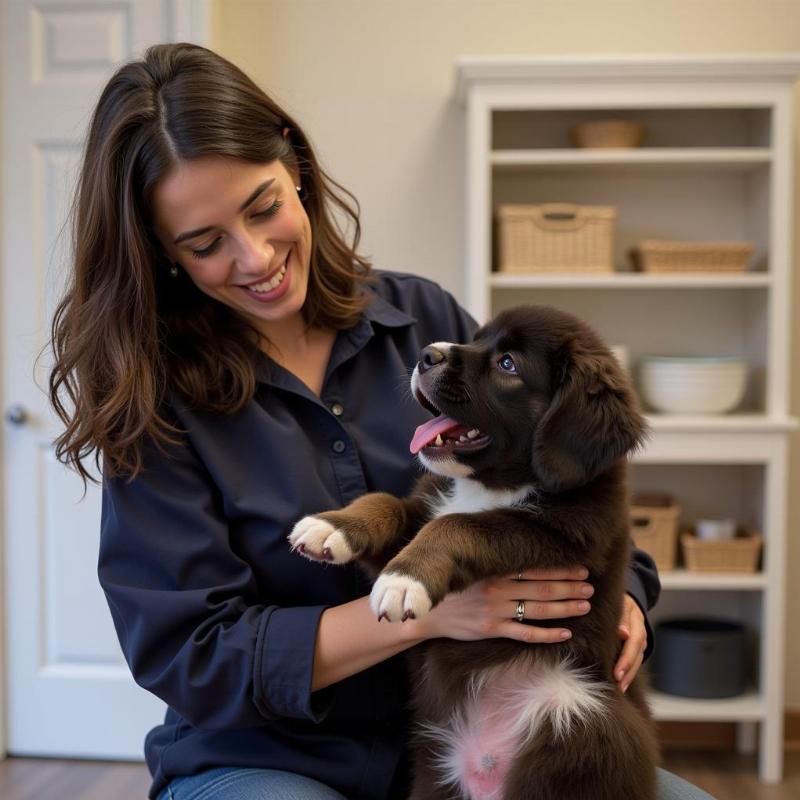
(683, 579)
(722, 423)
(746, 707)
(631, 280)
(695, 159)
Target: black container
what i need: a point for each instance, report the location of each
(699, 657)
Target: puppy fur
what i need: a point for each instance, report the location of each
(535, 478)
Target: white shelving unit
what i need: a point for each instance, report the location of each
(716, 165)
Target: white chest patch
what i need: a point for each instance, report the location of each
(467, 496)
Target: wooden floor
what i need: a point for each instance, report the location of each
(725, 776)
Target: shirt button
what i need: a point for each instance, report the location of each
(338, 446)
(337, 409)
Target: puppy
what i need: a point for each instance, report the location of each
(527, 462)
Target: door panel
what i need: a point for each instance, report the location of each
(69, 689)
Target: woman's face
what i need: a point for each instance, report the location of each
(240, 232)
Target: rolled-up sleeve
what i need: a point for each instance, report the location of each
(284, 665)
(194, 629)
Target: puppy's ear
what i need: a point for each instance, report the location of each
(593, 419)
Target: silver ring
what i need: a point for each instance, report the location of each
(520, 614)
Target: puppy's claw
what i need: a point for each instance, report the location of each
(399, 597)
(318, 540)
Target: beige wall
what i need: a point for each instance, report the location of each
(371, 81)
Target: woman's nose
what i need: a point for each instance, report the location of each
(254, 254)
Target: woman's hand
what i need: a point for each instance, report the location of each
(633, 632)
(487, 609)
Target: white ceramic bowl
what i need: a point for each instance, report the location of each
(692, 384)
(714, 528)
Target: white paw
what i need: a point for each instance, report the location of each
(398, 597)
(320, 541)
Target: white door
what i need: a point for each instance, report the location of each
(69, 691)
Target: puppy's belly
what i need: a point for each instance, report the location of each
(506, 707)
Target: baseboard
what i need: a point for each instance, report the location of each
(720, 736)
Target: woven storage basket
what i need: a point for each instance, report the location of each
(740, 554)
(654, 527)
(654, 255)
(608, 133)
(555, 237)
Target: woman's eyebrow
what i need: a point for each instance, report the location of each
(253, 197)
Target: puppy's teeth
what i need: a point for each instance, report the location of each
(439, 441)
(463, 439)
(473, 433)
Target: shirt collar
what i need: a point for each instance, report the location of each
(384, 313)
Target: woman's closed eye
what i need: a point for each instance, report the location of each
(266, 213)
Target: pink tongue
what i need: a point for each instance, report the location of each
(428, 431)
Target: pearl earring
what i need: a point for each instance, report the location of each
(173, 270)
(299, 189)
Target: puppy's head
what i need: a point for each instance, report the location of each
(536, 398)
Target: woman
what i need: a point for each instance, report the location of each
(236, 365)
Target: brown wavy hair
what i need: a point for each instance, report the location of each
(126, 333)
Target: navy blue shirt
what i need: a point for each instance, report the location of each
(217, 617)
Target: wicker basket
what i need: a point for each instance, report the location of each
(555, 237)
(740, 554)
(667, 256)
(654, 527)
(608, 133)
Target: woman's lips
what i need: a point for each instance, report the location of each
(278, 291)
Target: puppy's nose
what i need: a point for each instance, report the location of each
(430, 357)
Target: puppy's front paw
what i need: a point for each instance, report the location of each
(318, 540)
(399, 597)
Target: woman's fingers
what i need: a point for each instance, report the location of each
(532, 634)
(576, 573)
(544, 590)
(629, 661)
(555, 609)
(634, 633)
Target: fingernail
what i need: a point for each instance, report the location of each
(620, 674)
(565, 635)
(587, 591)
(583, 573)
(583, 605)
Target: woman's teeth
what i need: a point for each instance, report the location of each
(268, 286)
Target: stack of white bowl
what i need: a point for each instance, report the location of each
(693, 384)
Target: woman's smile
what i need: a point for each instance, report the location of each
(273, 286)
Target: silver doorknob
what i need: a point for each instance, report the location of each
(16, 414)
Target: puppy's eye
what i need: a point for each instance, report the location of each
(506, 363)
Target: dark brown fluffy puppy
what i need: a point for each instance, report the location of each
(527, 452)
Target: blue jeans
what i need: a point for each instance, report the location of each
(236, 783)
